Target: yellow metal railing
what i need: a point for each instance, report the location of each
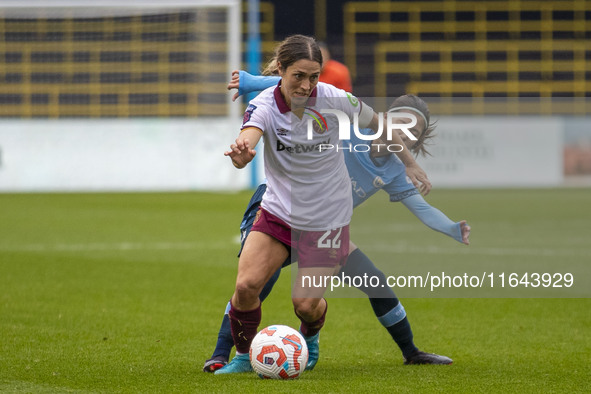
(455, 19)
(118, 66)
(465, 67)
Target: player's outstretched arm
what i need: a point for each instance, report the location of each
(248, 83)
(437, 220)
(241, 152)
(416, 174)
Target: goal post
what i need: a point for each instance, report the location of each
(126, 95)
(107, 58)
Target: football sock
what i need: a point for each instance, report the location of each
(384, 302)
(396, 323)
(244, 326)
(309, 329)
(358, 265)
(225, 342)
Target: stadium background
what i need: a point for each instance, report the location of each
(123, 292)
(493, 48)
(469, 58)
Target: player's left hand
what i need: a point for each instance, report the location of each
(465, 232)
(234, 83)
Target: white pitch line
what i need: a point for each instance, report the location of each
(469, 250)
(391, 248)
(116, 246)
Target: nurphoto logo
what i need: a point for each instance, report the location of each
(318, 124)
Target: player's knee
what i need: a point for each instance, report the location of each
(306, 306)
(247, 290)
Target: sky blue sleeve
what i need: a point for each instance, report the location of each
(254, 83)
(432, 217)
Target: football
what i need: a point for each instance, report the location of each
(278, 352)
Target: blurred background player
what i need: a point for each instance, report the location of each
(363, 169)
(333, 72)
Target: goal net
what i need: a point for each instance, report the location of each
(117, 59)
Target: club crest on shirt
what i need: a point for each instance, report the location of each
(319, 124)
(318, 128)
(378, 182)
(249, 110)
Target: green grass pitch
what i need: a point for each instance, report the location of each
(123, 293)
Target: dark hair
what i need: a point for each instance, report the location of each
(292, 49)
(412, 101)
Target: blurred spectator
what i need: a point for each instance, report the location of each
(577, 159)
(333, 72)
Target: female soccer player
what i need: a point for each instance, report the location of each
(363, 170)
(308, 196)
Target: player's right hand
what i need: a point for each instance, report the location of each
(240, 153)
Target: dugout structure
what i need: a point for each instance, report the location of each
(113, 59)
